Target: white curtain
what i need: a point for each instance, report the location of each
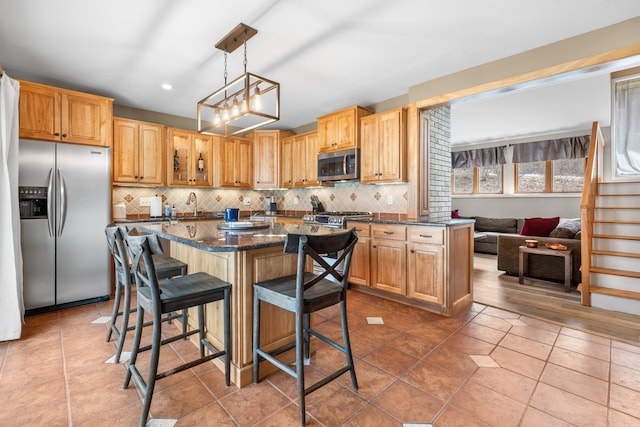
(627, 128)
(11, 304)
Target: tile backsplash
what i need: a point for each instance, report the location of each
(349, 196)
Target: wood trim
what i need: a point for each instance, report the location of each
(615, 292)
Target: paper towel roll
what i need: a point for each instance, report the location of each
(156, 206)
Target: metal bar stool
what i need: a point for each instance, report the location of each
(180, 293)
(166, 267)
(303, 294)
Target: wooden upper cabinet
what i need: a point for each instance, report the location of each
(305, 160)
(286, 162)
(138, 152)
(52, 114)
(189, 159)
(266, 155)
(384, 147)
(341, 130)
(237, 162)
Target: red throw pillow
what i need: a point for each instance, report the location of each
(454, 214)
(540, 227)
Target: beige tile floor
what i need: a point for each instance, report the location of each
(484, 367)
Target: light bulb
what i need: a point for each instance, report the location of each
(257, 102)
(243, 106)
(235, 110)
(216, 118)
(225, 113)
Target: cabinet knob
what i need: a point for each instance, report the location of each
(56, 134)
(374, 246)
(412, 251)
(64, 135)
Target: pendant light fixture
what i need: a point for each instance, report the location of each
(247, 102)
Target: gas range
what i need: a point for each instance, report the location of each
(334, 219)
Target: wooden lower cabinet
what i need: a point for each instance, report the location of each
(389, 258)
(426, 266)
(359, 271)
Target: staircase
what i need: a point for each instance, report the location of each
(610, 239)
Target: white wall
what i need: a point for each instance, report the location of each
(507, 206)
(562, 106)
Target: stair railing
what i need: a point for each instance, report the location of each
(593, 175)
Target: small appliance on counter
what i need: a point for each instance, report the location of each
(272, 206)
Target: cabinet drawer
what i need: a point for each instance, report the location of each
(362, 229)
(387, 231)
(432, 235)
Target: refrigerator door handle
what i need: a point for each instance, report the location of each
(63, 202)
(50, 202)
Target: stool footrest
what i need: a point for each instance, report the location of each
(189, 365)
(271, 359)
(170, 339)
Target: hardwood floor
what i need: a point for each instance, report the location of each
(548, 302)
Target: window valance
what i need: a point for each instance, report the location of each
(554, 149)
(493, 156)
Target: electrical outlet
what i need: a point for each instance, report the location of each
(246, 201)
(389, 200)
(296, 200)
(145, 201)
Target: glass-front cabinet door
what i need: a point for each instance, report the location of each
(190, 159)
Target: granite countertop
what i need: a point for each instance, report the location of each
(447, 223)
(206, 236)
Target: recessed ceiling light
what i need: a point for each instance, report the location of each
(167, 86)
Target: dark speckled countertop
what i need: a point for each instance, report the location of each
(448, 223)
(206, 235)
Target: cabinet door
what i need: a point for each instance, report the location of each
(244, 163)
(369, 168)
(426, 272)
(84, 119)
(125, 151)
(388, 265)
(266, 152)
(345, 130)
(150, 154)
(359, 269)
(286, 163)
(300, 161)
(202, 161)
(228, 162)
(311, 159)
(390, 146)
(326, 137)
(39, 112)
(178, 157)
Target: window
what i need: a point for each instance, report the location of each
(550, 176)
(478, 180)
(626, 128)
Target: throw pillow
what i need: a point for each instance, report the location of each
(455, 214)
(540, 227)
(497, 225)
(566, 230)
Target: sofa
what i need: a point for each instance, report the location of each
(502, 237)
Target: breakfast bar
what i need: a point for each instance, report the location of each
(240, 257)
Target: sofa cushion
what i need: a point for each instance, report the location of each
(498, 225)
(566, 230)
(540, 227)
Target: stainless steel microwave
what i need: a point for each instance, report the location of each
(343, 165)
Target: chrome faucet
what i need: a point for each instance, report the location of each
(193, 199)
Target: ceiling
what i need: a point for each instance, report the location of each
(326, 54)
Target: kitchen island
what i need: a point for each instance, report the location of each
(240, 257)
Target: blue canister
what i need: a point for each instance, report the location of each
(231, 214)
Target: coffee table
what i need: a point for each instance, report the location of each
(523, 262)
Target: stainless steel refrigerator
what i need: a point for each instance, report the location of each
(64, 206)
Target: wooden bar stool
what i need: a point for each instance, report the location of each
(179, 293)
(166, 267)
(303, 294)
